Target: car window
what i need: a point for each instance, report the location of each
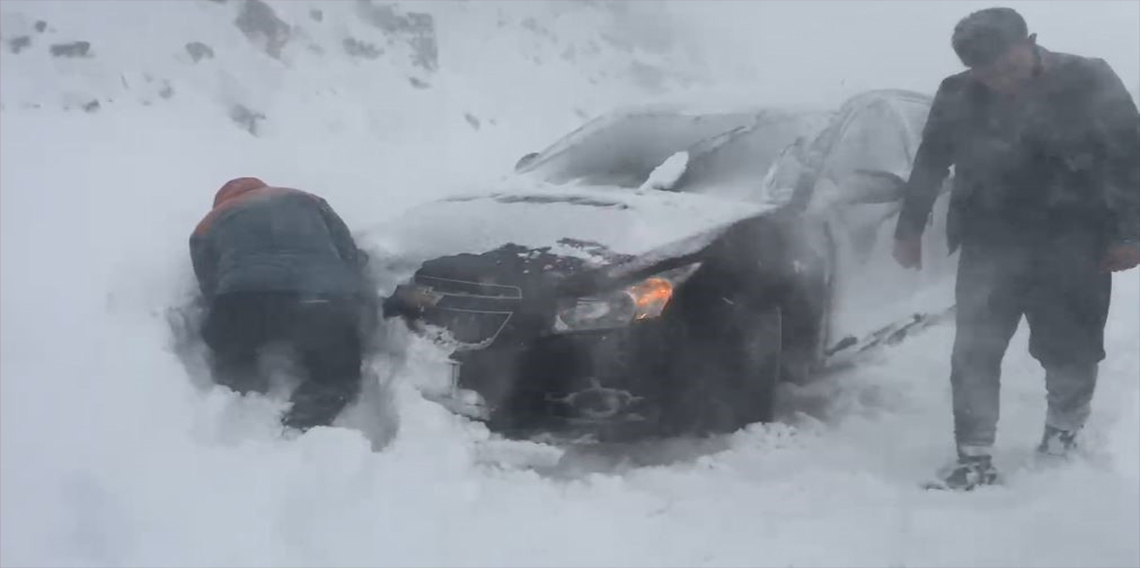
(879, 132)
(790, 171)
(622, 149)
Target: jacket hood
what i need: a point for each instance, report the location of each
(236, 187)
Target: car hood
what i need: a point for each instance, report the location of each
(599, 226)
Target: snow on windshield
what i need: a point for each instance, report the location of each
(727, 154)
(623, 148)
(668, 173)
(734, 164)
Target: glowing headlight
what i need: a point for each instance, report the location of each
(644, 300)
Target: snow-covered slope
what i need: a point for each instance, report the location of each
(113, 454)
(438, 91)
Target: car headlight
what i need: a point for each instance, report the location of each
(640, 301)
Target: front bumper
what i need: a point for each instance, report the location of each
(596, 381)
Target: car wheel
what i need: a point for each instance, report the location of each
(763, 354)
(726, 376)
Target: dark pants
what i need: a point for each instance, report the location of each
(322, 334)
(1055, 282)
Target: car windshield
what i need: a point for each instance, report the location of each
(753, 155)
(734, 164)
(624, 148)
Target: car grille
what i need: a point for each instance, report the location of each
(464, 289)
(475, 313)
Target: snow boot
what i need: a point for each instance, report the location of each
(1057, 443)
(969, 473)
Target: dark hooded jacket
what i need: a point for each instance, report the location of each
(1065, 156)
(259, 238)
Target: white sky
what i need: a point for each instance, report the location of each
(827, 49)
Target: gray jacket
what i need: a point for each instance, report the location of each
(260, 238)
(1065, 156)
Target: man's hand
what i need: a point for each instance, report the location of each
(1121, 256)
(908, 252)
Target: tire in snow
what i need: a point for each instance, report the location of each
(726, 379)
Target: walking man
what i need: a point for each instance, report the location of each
(1045, 206)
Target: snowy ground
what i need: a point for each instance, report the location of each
(113, 456)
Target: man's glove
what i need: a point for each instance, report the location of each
(1121, 256)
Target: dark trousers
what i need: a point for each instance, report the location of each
(322, 335)
(1056, 283)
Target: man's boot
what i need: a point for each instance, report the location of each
(967, 474)
(1057, 443)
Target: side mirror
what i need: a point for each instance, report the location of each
(871, 187)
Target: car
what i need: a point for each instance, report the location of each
(660, 270)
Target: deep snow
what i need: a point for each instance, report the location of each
(114, 455)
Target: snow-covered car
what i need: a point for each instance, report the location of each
(659, 270)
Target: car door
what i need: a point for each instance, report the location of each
(861, 162)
